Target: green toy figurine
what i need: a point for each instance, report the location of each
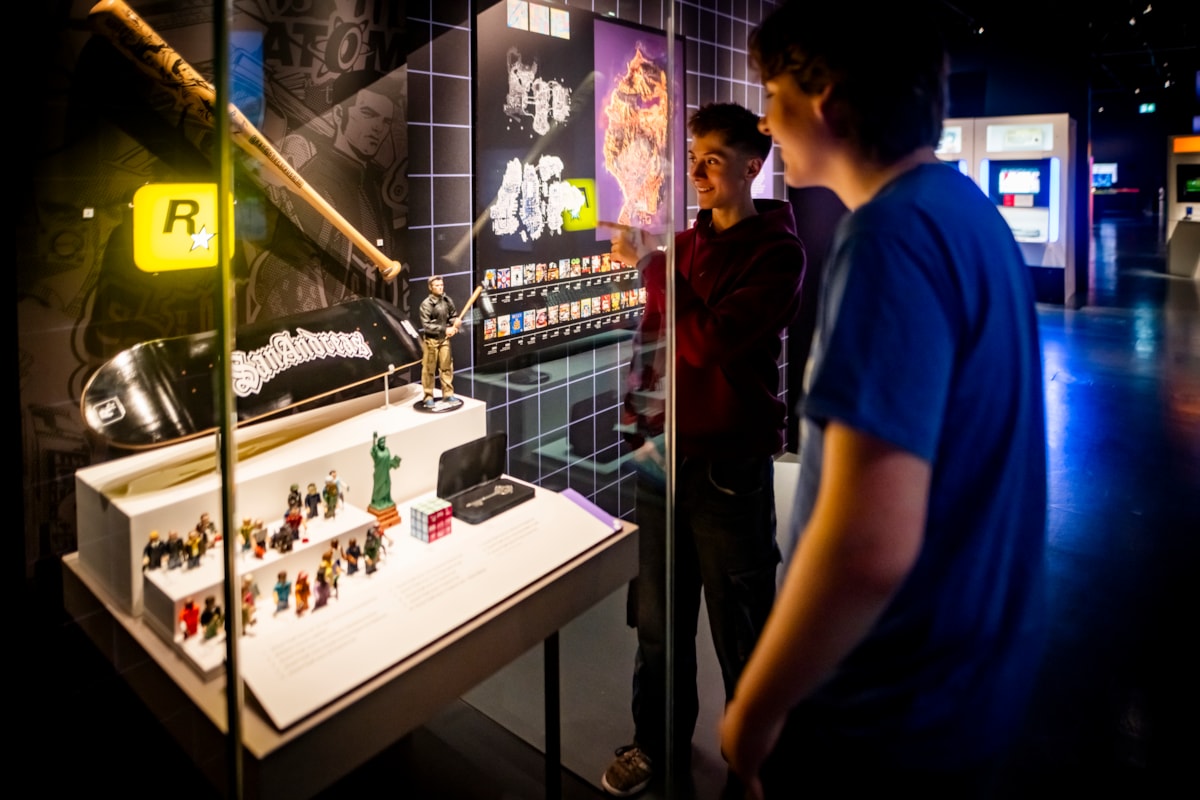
(211, 618)
(385, 462)
(332, 495)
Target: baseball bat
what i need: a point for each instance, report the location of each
(134, 37)
(478, 291)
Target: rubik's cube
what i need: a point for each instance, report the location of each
(431, 519)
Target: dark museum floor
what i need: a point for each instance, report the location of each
(1117, 714)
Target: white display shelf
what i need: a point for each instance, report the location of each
(166, 590)
(119, 502)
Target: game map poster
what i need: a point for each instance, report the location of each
(573, 121)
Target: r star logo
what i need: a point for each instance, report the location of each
(201, 239)
(175, 226)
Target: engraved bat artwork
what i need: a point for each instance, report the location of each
(134, 38)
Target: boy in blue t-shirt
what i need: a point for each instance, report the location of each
(902, 647)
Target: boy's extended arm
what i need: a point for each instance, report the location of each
(860, 544)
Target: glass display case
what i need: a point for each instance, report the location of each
(371, 147)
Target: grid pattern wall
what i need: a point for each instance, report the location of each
(558, 413)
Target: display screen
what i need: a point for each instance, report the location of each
(1020, 180)
(572, 124)
(1187, 183)
(1020, 183)
(1104, 175)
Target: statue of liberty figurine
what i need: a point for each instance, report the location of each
(385, 462)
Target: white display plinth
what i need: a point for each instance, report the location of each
(315, 752)
(119, 502)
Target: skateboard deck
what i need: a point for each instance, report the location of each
(163, 391)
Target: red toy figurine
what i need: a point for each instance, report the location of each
(189, 618)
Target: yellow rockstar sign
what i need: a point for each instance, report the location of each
(175, 226)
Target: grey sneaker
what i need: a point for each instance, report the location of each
(429, 403)
(629, 773)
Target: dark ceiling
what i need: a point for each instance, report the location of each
(1155, 59)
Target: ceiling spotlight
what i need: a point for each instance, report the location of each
(1133, 20)
(1167, 85)
(1137, 91)
(1149, 8)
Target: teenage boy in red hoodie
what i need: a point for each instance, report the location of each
(737, 289)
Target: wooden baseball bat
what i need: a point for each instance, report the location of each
(131, 34)
(478, 291)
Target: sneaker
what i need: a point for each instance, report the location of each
(430, 403)
(629, 774)
(448, 398)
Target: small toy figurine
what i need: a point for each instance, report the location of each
(341, 487)
(247, 534)
(312, 500)
(260, 538)
(440, 320)
(385, 462)
(282, 538)
(174, 550)
(194, 547)
(303, 591)
(371, 549)
(211, 618)
(189, 618)
(283, 592)
(294, 521)
(294, 498)
(353, 554)
(152, 554)
(335, 565)
(322, 591)
(208, 529)
(250, 595)
(331, 496)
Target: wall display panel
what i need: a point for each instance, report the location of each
(1187, 183)
(572, 128)
(1183, 206)
(1027, 167)
(1026, 194)
(1105, 175)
